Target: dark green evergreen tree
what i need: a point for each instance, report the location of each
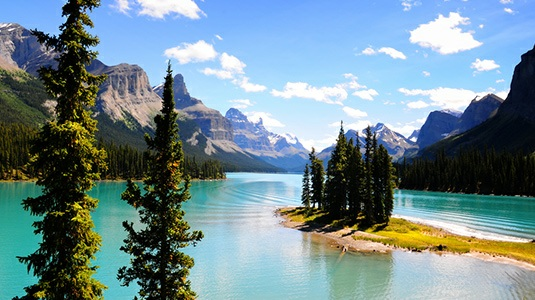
(367, 188)
(354, 178)
(157, 264)
(67, 162)
(317, 179)
(305, 194)
(336, 182)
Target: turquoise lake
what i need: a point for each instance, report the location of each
(247, 254)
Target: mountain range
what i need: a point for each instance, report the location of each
(126, 105)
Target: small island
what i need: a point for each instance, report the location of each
(400, 234)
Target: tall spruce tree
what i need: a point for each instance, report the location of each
(354, 178)
(336, 182)
(317, 178)
(67, 162)
(158, 265)
(305, 194)
(367, 188)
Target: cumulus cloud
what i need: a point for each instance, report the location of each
(327, 94)
(444, 97)
(161, 8)
(444, 35)
(331, 95)
(366, 94)
(509, 11)
(267, 119)
(122, 6)
(241, 103)
(395, 54)
(426, 73)
(187, 53)
(484, 65)
(354, 113)
(406, 129)
(417, 104)
(233, 69)
(243, 82)
(506, 1)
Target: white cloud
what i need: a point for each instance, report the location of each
(405, 129)
(318, 144)
(330, 95)
(232, 69)
(417, 104)
(506, 1)
(426, 73)
(221, 74)
(502, 94)
(368, 51)
(395, 54)
(500, 80)
(187, 53)
(122, 6)
(509, 11)
(444, 35)
(354, 113)
(160, 8)
(353, 84)
(241, 103)
(408, 4)
(445, 97)
(366, 94)
(231, 63)
(217, 36)
(267, 119)
(244, 83)
(484, 65)
(358, 126)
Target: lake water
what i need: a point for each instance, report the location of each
(247, 254)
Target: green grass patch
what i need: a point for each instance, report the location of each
(404, 234)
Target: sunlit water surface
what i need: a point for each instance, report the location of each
(247, 254)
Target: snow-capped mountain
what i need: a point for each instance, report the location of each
(395, 143)
(283, 151)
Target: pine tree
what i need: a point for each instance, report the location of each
(68, 162)
(354, 178)
(305, 194)
(317, 177)
(367, 189)
(157, 265)
(336, 183)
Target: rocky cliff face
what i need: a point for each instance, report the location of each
(437, 126)
(19, 48)
(210, 121)
(126, 95)
(478, 112)
(521, 98)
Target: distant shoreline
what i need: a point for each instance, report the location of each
(347, 239)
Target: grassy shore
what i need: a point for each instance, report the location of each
(400, 233)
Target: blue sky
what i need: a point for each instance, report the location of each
(303, 66)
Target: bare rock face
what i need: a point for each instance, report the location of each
(521, 98)
(126, 95)
(438, 125)
(478, 112)
(212, 123)
(19, 48)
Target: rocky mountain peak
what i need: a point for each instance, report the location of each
(478, 112)
(126, 93)
(20, 48)
(521, 98)
(438, 125)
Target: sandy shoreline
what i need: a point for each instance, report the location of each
(343, 240)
